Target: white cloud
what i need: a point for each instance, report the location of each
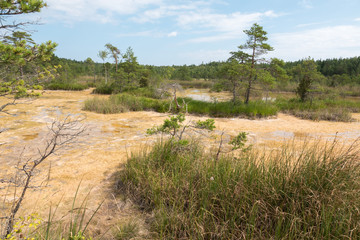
(166, 11)
(310, 24)
(172, 34)
(150, 33)
(329, 42)
(190, 15)
(306, 3)
(227, 26)
(357, 19)
(94, 10)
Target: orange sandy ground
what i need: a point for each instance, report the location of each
(107, 142)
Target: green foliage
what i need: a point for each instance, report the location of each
(181, 73)
(298, 192)
(170, 126)
(257, 46)
(208, 124)
(25, 65)
(239, 141)
(114, 52)
(104, 88)
(218, 87)
(20, 6)
(307, 73)
(8, 9)
(237, 74)
(277, 70)
(175, 128)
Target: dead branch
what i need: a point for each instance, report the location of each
(61, 134)
(7, 104)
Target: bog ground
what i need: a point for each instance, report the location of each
(108, 140)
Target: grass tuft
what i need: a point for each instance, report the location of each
(306, 192)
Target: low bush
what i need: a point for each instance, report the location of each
(103, 89)
(307, 192)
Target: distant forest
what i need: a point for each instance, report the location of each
(338, 71)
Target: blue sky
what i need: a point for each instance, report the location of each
(164, 32)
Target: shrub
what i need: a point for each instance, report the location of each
(103, 89)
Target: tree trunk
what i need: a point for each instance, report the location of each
(234, 93)
(247, 93)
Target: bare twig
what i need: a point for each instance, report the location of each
(7, 104)
(62, 133)
(220, 146)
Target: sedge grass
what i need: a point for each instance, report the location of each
(307, 192)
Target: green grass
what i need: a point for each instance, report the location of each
(66, 86)
(128, 102)
(307, 192)
(124, 103)
(330, 109)
(255, 109)
(127, 231)
(142, 99)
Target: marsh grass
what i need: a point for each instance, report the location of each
(126, 231)
(329, 109)
(128, 102)
(104, 106)
(255, 109)
(123, 103)
(326, 108)
(66, 86)
(310, 191)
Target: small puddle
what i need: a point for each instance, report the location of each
(205, 95)
(198, 97)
